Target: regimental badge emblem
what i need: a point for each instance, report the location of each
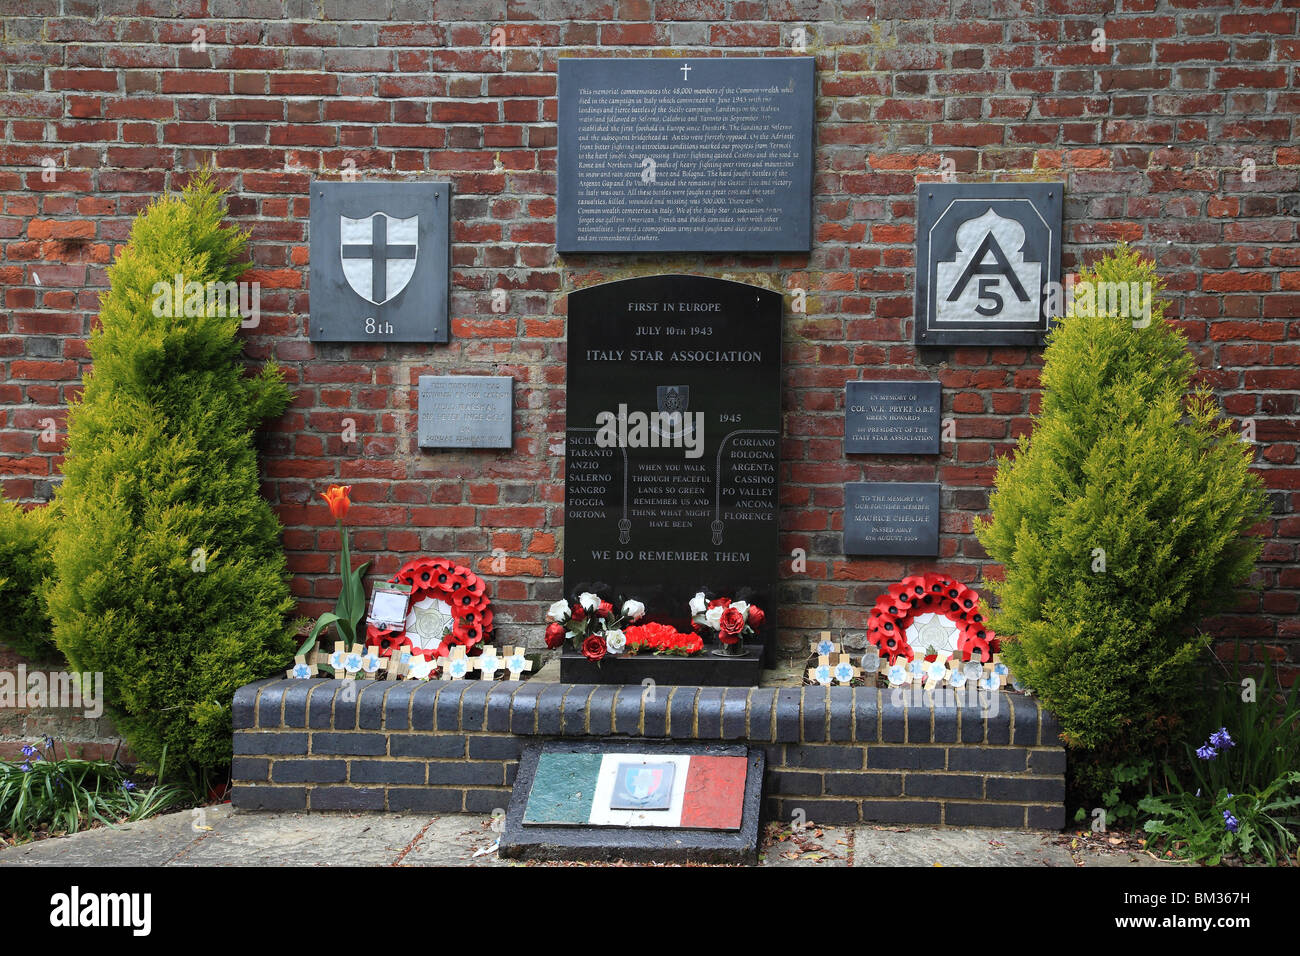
(674, 398)
(379, 254)
(643, 786)
(988, 261)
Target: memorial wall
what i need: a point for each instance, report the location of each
(896, 189)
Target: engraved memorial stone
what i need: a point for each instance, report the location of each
(466, 411)
(672, 440)
(891, 518)
(379, 262)
(988, 257)
(891, 418)
(684, 155)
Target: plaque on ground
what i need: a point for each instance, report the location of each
(672, 444)
(687, 154)
(466, 411)
(635, 800)
(379, 262)
(987, 258)
(891, 418)
(891, 518)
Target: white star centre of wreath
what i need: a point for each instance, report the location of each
(427, 621)
(933, 630)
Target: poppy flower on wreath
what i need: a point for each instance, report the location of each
(925, 611)
(449, 606)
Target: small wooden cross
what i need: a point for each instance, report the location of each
(824, 646)
(398, 663)
(456, 665)
(840, 674)
(371, 662)
(417, 668)
(487, 663)
(516, 663)
(301, 667)
(995, 669)
(822, 674)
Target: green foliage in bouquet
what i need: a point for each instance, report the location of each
(1121, 522)
(169, 574)
(25, 563)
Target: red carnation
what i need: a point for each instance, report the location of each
(756, 617)
(605, 609)
(593, 648)
(578, 614)
(554, 635)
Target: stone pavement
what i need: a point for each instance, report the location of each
(220, 836)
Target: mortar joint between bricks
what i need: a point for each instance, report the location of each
(668, 711)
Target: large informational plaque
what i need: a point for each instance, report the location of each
(685, 154)
(672, 441)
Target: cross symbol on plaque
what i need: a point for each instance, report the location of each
(686, 70)
(379, 252)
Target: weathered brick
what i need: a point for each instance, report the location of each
(309, 771)
(346, 798)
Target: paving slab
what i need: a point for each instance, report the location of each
(153, 842)
(935, 846)
(453, 840)
(806, 848)
(302, 839)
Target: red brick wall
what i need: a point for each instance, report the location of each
(1150, 136)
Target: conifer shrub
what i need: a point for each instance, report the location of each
(25, 563)
(169, 574)
(1121, 522)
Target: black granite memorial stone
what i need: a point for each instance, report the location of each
(988, 257)
(891, 418)
(672, 441)
(380, 261)
(685, 154)
(891, 518)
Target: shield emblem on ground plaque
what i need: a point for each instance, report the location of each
(987, 255)
(379, 262)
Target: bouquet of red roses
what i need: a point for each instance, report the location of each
(730, 620)
(591, 625)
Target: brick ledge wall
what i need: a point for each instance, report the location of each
(842, 755)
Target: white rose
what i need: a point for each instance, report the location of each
(698, 603)
(558, 612)
(589, 601)
(615, 641)
(743, 608)
(713, 616)
(633, 610)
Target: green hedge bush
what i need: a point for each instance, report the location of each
(1121, 522)
(26, 540)
(170, 577)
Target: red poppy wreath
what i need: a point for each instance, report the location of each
(449, 606)
(929, 610)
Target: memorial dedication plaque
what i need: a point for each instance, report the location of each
(891, 518)
(466, 411)
(672, 441)
(380, 261)
(891, 418)
(685, 154)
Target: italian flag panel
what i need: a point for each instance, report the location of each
(679, 791)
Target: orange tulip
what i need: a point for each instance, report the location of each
(337, 498)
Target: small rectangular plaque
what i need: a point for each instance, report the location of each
(466, 411)
(891, 418)
(891, 518)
